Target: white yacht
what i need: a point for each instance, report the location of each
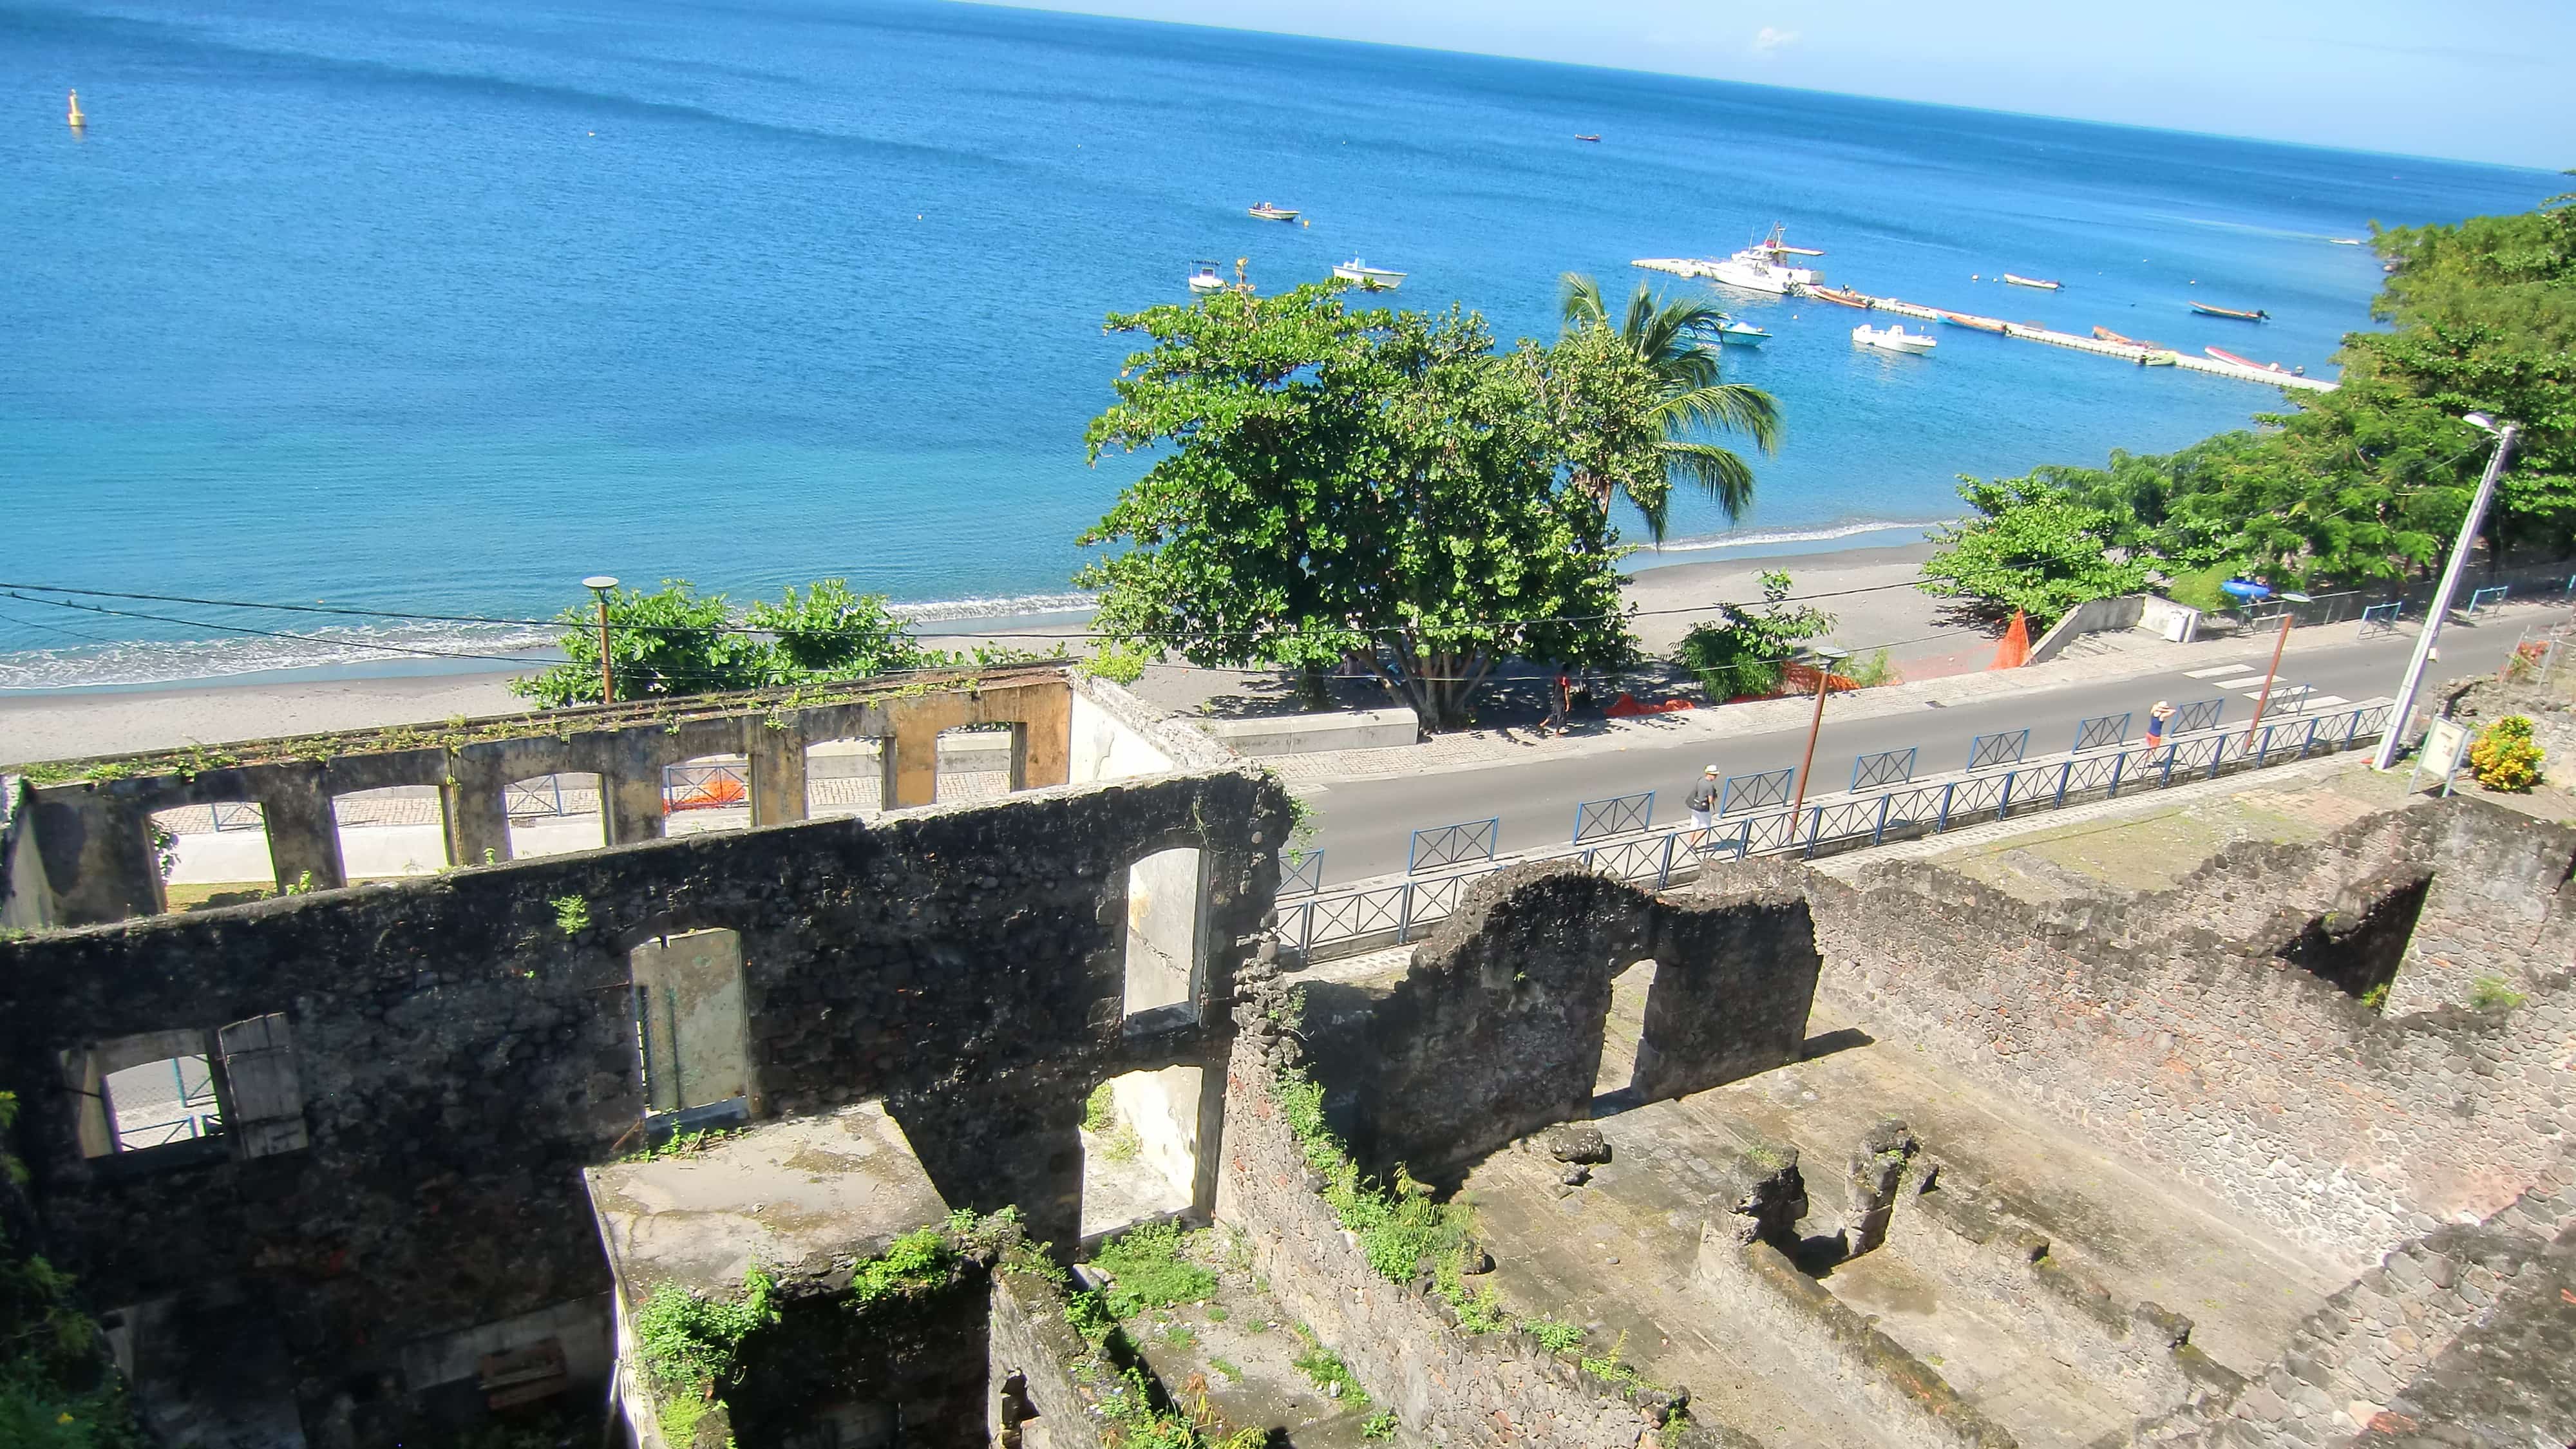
(1206, 279)
(1893, 338)
(1764, 267)
(1373, 278)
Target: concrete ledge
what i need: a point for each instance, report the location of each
(1309, 734)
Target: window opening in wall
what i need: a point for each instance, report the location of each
(1140, 1142)
(158, 1103)
(2358, 946)
(711, 792)
(553, 815)
(391, 832)
(212, 855)
(1166, 896)
(974, 763)
(692, 1032)
(844, 777)
(1623, 1033)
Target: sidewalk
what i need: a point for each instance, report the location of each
(1487, 748)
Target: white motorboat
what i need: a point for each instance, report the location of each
(1206, 279)
(1893, 338)
(1732, 333)
(1375, 279)
(1267, 212)
(1764, 267)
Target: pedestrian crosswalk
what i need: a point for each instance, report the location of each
(2217, 670)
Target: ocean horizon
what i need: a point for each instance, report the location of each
(440, 311)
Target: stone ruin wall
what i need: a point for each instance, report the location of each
(460, 1055)
(2346, 1129)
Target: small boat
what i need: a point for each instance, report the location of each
(1206, 279)
(1587, 138)
(1740, 334)
(2105, 334)
(1982, 324)
(2021, 281)
(2206, 310)
(1893, 338)
(1266, 212)
(1372, 278)
(2162, 357)
(1840, 296)
(2223, 355)
(2347, 241)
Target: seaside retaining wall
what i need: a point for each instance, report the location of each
(412, 1073)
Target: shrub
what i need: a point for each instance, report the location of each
(691, 1346)
(1742, 653)
(2489, 993)
(1117, 663)
(1149, 1268)
(2505, 756)
(1553, 1335)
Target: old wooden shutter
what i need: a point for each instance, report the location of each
(266, 1113)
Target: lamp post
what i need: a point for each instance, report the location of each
(2393, 737)
(1823, 657)
(600, 584)
(2279, 643)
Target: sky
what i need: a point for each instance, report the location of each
(2476, 80)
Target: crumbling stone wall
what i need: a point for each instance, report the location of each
(1496, 1029)
(462, 1054)
(2262, 1083)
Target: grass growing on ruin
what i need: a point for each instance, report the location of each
(1552, 1334)
(1380, 1425)
(54, 1391)
(692, 1347)
(1326, 1369)
(1118, 1141)
(1398, 1224)
(2490, 993)
(572, 914)
(1150, 1267)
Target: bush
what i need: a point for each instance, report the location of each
(1148, 1268)
(2199, 590)
(1743, 652)
(2505, 757)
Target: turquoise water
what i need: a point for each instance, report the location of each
(443, 307)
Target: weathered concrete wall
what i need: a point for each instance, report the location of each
(2247, 1075)
(93, 833)
(26, 901)
(462, 1055)
(1036, 1402)
(1306, 734)
(1115, 735)
(1496, 1030)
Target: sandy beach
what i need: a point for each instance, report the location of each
(72, 724)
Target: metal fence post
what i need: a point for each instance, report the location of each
(2352, 730)
(2065, 773)
(1944, 822)
(1879, 834)
(2119, 765)
(1664, 871)
(2263, 753)
(1815, 823)
(1404, 915)
(2003, 807)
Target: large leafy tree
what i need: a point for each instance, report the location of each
(2035, 545)
(1338, 484)
(1676, 341)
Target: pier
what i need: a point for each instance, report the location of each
(2125, 352)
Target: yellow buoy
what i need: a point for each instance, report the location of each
(76, 118)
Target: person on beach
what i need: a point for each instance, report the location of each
(2156, 718)
(1703, 804)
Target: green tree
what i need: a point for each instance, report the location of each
(1677, 343)
(675, 641)
(2034, 545)
(1337, 484)
(1743, 651)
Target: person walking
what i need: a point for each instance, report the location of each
(1703, 805)
(2156, 718)
(1560, 702)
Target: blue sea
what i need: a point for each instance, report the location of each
(441, 307)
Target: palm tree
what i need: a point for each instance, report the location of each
(1676, 341)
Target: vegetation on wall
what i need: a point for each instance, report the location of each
(2365, 484)
(57, 1387)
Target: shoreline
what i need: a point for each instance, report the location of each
(79, 721)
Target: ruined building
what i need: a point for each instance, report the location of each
(784, 1135)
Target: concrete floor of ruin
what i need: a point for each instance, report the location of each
(1616, 1254)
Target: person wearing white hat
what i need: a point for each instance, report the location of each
(1703, 804)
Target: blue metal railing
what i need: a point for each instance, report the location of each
(1447, 845)
(1887, 767)
(2381, 619)
(2002, 748)
(1301, 875)
(1618, 815)
(1755, 792)
(2101, 730)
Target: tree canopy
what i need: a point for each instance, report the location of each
(676, 641)
(1375, 486)
(1677, 346)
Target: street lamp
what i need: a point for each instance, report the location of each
(1823, 657)
(600, 584)
(2288, 617)
(2393, 736)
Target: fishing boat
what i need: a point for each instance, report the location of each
(1266, 212)
(2022, 281)
(1206, 279)
(1893, 338)
(1764, 267)
(1741, 334)
(1839, 296)
(2206, 310)
(1586, 138)
(1375, 279)
(2163, 357)
(1982, 324)
(2223, 355)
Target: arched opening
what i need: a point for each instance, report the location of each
(692, 1029)
(845, 777)
(1623, 1031)
(391, 832)
(711, 792)
(1140, 1146)
(974, 763)
(1162, 941)
(212, 855)
(553, 815)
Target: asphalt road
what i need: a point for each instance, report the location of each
(1364, 826)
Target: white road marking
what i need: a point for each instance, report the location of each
(2213, 673)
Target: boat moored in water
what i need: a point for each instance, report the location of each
(1893, 338)
(2223, 355)
(1266, 212)
(1581, 137)
(1206, 278)
(1839, 296)
(1741, 334)
(2206, 310)
(1375, 279)
(1764, 267)
(2021, 281)
(1982, 324)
